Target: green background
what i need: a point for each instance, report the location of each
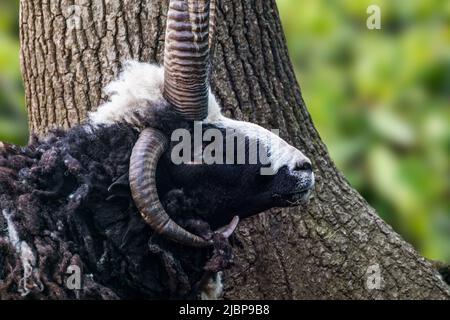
(379, 98)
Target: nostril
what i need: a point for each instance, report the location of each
(303, 166)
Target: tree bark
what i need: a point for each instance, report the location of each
(335, 247)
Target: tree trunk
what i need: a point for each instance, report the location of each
(335, 247)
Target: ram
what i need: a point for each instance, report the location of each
(107, 198)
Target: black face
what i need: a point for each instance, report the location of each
(222, 191)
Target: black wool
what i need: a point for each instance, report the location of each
(67, 198)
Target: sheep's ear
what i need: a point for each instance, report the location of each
(186, 57)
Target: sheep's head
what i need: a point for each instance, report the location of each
(256, 169)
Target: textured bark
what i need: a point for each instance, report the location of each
(323, 250)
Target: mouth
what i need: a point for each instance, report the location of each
(293, 199)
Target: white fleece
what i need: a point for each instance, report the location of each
(27, 257)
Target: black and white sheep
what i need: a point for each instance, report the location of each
(107, 197)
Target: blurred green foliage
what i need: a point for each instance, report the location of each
(13, 122)
(379, 98)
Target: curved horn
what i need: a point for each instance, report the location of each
(186, 58)
(144, 159)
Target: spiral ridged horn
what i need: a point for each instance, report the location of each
(186, 58)
(144, 159)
